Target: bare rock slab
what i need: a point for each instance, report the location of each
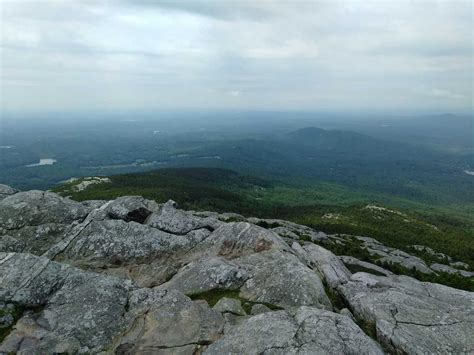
(411, 316)
(304, 330)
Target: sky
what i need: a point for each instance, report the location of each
(265, 55)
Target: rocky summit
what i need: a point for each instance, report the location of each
(131, 276)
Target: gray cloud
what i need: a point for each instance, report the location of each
(344, 55)
(226, 10)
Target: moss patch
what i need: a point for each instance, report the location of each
(15, 313)
(213, 296)
(368, 327)
(267, 225)
(334, 297)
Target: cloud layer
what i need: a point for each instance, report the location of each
(334, 55)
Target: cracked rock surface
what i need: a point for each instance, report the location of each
(302, 330)
(411, 316)
(131, 276)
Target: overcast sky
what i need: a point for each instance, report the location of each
(275, 55)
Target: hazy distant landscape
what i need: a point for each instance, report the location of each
(402, 160)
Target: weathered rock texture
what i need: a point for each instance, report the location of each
(132, 276)
(411, 316)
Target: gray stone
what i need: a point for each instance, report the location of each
(233, 240)
(231, 217)
(29, 280)
(286, 233)
(450, 270)
(168, 320)
(76, 310)
(208, 274)
(38, 220)
(459, 265)
(6, 191)
(411, 316)
(131, 208)
(10, 244)
(229, 305)
(7, 315)
(350, 260)
(147, 255)
(328, 264)
(147, 274)
(290, 230)
(94, 204)
(431, 252)
(117, 241)
(390, 255)
(407, 261)
(298, 249)
(231, 320)
(33, 208)
(305, 330)
(259, 308)
(38, 239)
(132, 243)
(172, 220)
(280, 279)
(79, 311)
(346, 312)
(258, 334)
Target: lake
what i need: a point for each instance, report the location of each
(46, 161)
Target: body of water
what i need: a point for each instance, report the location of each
(46, 161)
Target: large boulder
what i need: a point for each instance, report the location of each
(36, 239)
(233, 240)
(6, 191)
(279, 278)
(168, 322)
(385, 254)
(406, 260)
(289, 229)
(146, 255)
(65, 309)
(413, 317)
(364, 265)
(29, 280)
(33, 208)
(328, 264)
(273, 277)
(172, 220)
(207, 274)
(131, 208)
(37, 220)
(304, 330)
(117, 241)
(230, 305)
